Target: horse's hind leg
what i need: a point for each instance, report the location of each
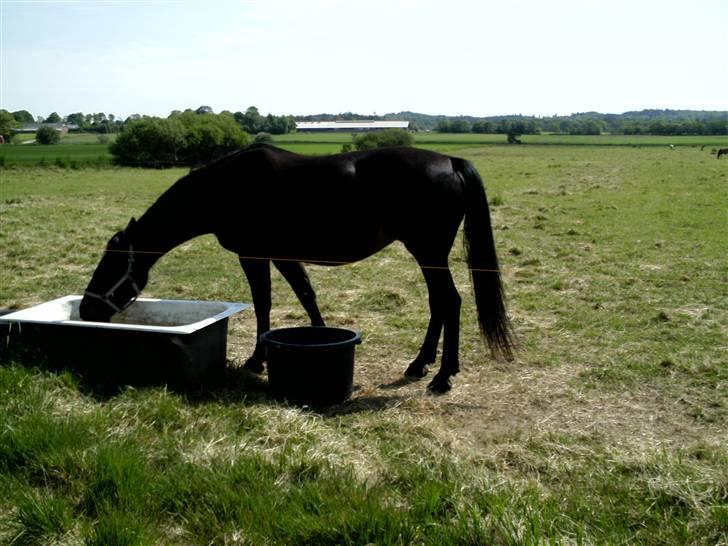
(450, 364)
(445, 310)
(258, 274)
(296, 275)
(428, 351)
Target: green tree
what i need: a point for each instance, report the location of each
(382, 139)
(482, 127)
(263, 138)
(210, 136)
(278, 125)
(453, 126)
(251, 121)
(23, 116)
(149, 142)
(444, 126)
(186, 138)
(716, 127)
(202, 110)
(77, 118)
(53, 118)
(586, 127)
(513, 137)
(7, 124)
(460, 126)
(47, 135)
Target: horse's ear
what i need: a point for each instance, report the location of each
(131, 224)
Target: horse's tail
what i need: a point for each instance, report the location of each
(483, 263)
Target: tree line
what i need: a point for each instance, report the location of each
(251, 121)
(646, 122)
(191, 137)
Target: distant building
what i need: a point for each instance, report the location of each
(349, 126)
(62, 128)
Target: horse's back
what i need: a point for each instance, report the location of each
(338, 207)
(363, 177)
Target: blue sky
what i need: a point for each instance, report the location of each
(476, 57)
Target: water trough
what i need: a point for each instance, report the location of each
(176, 342)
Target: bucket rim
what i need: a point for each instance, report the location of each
(354, 340)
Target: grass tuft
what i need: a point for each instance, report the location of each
(41, 518)
(118, 529)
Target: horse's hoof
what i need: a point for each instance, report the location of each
(417, 371)
(439, 385)
(254, 366)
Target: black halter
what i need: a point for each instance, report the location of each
(106, 297)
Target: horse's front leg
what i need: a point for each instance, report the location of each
(295, 274)
(258, 274)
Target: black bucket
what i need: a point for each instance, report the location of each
(311, 365)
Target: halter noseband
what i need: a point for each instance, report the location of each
(106, 297)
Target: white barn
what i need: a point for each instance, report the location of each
(349, 126)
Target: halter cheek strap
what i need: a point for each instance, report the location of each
(106, 297)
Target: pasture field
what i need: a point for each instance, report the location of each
(329, 143)
(64, 155)
(87, 150)
(609, 427)
(75, 150)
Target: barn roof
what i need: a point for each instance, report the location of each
(350, 125)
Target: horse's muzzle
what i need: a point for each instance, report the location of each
(94, 311)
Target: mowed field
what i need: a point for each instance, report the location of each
(74, 150)
(609, 427)
(92, 150)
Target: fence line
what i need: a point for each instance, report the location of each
(315, 261)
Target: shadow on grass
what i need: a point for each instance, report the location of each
(103, 373)
(364, 404)
(101, 383)
(399, 383)
(234, 385)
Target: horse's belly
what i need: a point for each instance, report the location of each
(315, 239)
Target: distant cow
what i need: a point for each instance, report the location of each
(721, 152)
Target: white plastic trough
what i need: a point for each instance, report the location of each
(151, 341)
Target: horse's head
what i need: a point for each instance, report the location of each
(117, 281)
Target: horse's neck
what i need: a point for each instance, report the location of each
(180, 214)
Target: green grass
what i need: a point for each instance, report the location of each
(320, 143)
(75, 150)
(56, 155)
(608, 428)
(86, 150)
(153, 467)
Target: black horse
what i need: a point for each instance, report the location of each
(268, 205)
